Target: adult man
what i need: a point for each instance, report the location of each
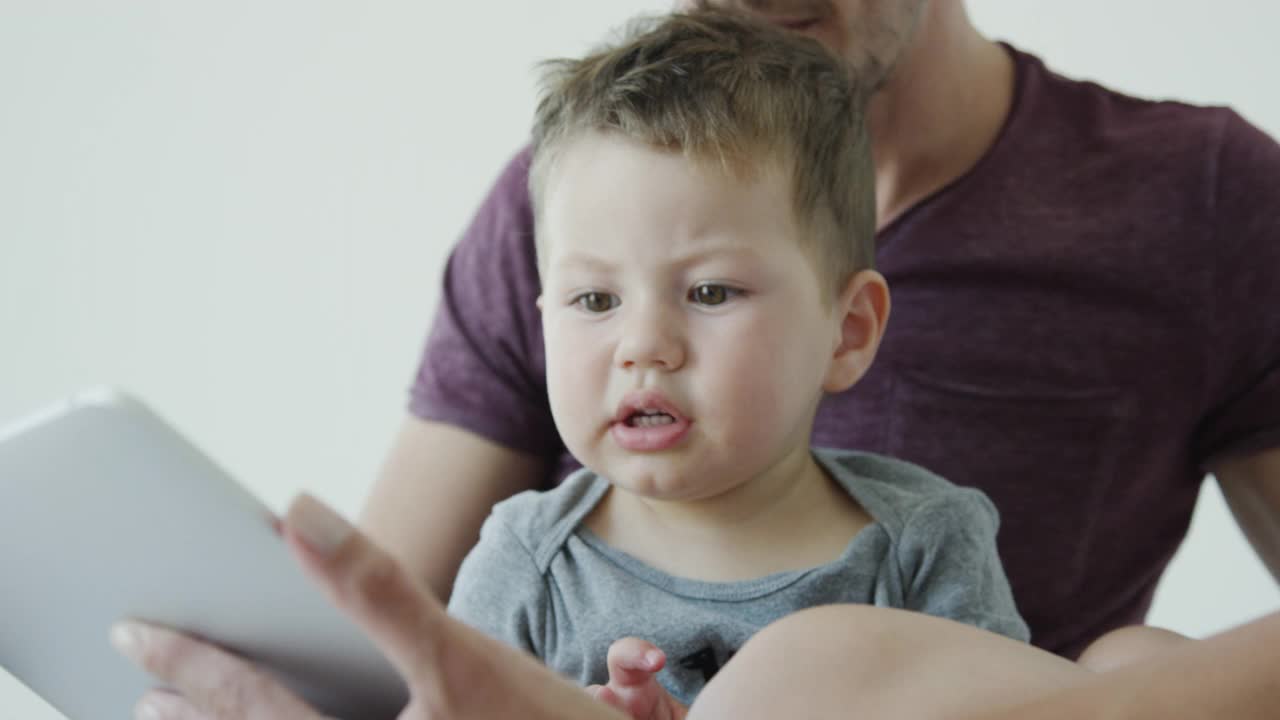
(1080, 322)
(1127, 248)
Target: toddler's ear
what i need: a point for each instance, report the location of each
(863, 309)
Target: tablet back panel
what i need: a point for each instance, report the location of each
(107, 513)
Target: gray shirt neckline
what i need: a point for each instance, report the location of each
(735, 590)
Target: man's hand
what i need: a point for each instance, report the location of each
(633, 686)
(207, 682)
(452, 671)
(400, 615)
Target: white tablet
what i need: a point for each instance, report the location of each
(106, 512)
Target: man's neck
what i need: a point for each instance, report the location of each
(941, 110)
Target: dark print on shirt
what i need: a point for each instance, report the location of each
(704, 661)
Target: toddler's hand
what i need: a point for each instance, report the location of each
(633, 686)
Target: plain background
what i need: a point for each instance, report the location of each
(240, 210)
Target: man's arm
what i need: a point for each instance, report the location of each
(1232, 675)
(1251, 486)
(434, 492)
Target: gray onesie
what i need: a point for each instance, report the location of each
(542, 581)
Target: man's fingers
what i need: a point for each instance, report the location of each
(400, 614)
(167, 705)
(221, 685)
(633, 661)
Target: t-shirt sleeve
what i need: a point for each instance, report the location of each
(1242, 394)
(482, 368)
(950, 566)
(500, 592)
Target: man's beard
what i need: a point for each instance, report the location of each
(875, 44)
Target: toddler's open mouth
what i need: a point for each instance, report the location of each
(650, 418)
(646, 421)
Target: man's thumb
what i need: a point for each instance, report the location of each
(399, 613)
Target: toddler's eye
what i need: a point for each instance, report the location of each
(711, 294)
(597, 302)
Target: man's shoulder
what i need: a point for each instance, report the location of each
(506, 214)
(1103, 116)
(513, 182)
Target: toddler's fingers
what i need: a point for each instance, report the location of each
(633, 661)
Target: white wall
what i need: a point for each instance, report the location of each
(240, 209)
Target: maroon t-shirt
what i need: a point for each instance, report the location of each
(1080, 324)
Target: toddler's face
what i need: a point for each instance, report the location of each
(688, 338)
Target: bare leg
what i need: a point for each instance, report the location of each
(857, 661)
(1128, 645)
